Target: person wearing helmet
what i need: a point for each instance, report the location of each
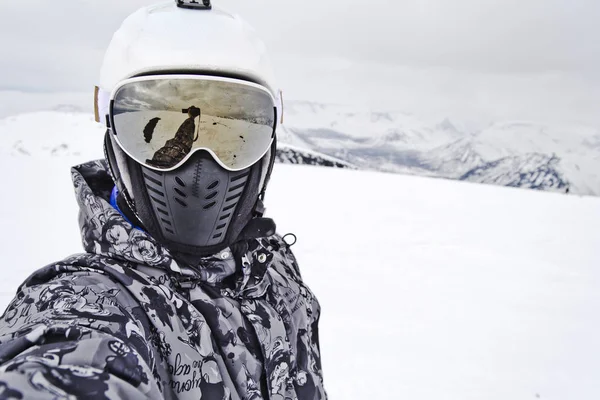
(185, 290)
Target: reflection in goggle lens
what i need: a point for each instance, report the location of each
(159, 122)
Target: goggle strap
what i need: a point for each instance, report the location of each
(96, 110)
(259, 208)
(282, 108)
(272, 156)
(101, 105)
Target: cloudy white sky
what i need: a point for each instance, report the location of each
(471, 59)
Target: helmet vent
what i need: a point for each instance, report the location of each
(166, 222)
(180, 192)
(210, 205)
(213, 185)
(218, 235)
(179, 181)
(181, 202)
(211, 196)
(163, 212)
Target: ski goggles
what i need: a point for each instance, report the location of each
(161, 120)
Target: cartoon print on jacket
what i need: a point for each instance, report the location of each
(126, 320)
(62, 381)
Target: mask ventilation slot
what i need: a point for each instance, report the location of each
(180, 193)
(234, 191)
(213, 190)
(154, 181)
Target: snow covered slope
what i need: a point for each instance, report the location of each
(319, 123)
(288, 154)
(533, 171)
(51, 134)
(397, 142)
(431, 289)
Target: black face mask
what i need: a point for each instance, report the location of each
(198, 209)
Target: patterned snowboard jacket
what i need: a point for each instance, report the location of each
(124, 320)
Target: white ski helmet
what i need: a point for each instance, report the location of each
(167, 38)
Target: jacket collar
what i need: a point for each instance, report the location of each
(106, 232)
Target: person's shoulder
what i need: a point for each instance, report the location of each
(80, 265)
(283, 258)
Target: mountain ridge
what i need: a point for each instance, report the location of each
(402, 143)
(347, 137)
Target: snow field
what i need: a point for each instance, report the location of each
(434, 289)
(430, 289)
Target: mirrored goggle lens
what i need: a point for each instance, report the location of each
(161, 122)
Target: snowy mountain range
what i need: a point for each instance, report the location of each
(523, 154)
(519, 154)
(287, 154)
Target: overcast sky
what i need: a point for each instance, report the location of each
(528, 59)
